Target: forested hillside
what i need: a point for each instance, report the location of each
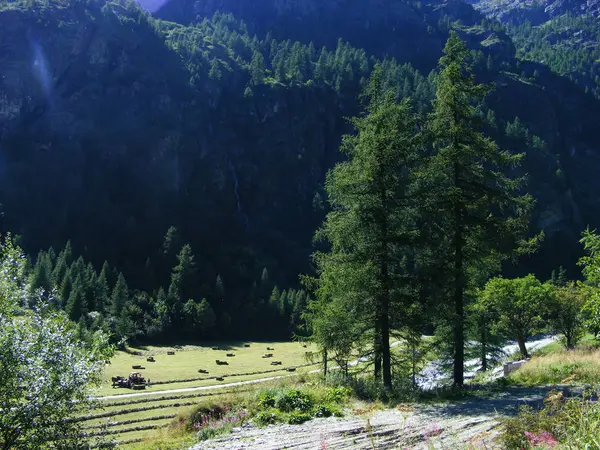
(564, 36)
(117, 125)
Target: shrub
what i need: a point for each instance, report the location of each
(571, 423)
(338, 394)
(295, 400)
(298, 418)
(269, 417)
(266, 400)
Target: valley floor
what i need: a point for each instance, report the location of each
(472, 424)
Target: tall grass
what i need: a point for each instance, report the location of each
(581, 365)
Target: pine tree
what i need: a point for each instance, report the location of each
(101, 292)
(369, 227)
(257, 68)
(65, 287)
(42, 273)
(478, 205)
(119, 297)
(182, 282)
(76, 305)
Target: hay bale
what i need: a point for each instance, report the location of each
(215, 348)
(220, 379)
(138, 367)
(202, 371)
(150, 359)
(271, 349)
(230, 355)
(276, 363)
(291, 369)
(170, 353)
(222, 363)
(247, 345)
(304, 345)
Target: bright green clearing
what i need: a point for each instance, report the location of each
(186, 362)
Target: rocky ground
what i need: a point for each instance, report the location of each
(472, 423)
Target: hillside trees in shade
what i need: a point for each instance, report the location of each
(180, 311)
(473, 195)
(362, 280)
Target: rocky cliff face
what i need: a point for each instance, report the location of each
(537, 12)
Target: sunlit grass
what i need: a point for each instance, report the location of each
(559, 365)
(186, 362)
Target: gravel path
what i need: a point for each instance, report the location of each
(473, 422)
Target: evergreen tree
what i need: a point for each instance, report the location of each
(478, 205)
(370, 225)
(119, 297)
(65, 287)
(76, 304)
(182, 284)
(42, 273)
(257, 68)
(101, 292)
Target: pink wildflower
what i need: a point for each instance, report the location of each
(543, 438)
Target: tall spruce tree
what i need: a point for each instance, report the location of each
(474, 199)
(181, 287)
(369, 227)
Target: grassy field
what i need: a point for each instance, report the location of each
(123, 418)
(170, 371)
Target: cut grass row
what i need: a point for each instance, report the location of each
(108, 424)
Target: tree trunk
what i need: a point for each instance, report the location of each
(522, 347)
(377, 347)
(385, 339)
(324, 363)
(459, 307)
(483, 337)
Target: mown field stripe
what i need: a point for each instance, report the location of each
(131, 421)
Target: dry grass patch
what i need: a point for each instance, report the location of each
(581, 365)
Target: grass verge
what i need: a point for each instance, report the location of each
(558, 365)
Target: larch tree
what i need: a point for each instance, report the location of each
(475, 200)
(367, 230)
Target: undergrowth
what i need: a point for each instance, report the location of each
(562, 424)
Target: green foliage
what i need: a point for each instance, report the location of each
(567, 310)
(568, 422)
(294, 400)
(519, 304)
(565, 45)
(297, 418)
(368, 230)
(478, 205)
(45, 372)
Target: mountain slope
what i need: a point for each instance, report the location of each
(115, 125)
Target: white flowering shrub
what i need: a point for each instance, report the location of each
(46, 374)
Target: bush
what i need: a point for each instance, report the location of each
(323, 411)
(295, 400)
(338, 394)
(266, 400)
(269, 417)
(298, 418)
